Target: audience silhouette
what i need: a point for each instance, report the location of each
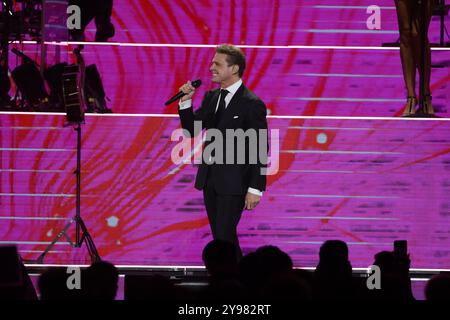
(100, 281)
(52, 286)
(266, 273)
(221, 262)
(219, 258)
(15, 283)
(438, 288)
(395, 281)
(333, 274)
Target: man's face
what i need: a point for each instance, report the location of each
(221, 71)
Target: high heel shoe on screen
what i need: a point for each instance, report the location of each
(428, 106)
(410, 107)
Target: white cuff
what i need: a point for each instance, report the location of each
(185, 104)
(255, 191)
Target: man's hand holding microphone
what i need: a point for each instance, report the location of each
(188, 89)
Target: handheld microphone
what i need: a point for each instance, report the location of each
(195, 84)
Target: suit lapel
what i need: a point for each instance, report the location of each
(214, 99)
(212, 105)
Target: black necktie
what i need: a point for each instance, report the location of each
(221, 108)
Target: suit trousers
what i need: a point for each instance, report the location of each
(224, 213)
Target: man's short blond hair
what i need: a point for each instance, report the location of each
(235, 56)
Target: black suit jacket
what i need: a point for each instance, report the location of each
(245, 111)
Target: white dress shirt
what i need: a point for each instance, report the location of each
(231, 92)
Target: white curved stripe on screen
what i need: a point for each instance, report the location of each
(60, 195)
(332, 196)
(344, 218)
(356, 31)
(333, 128)
(330, 171)
(321, 6)
(347, 75)
(38, 171)
(33, 218)
(37, 149)
(192, 45)
(40, 251)
(160, 115)
(342, 99)
(33, 242)
(338, 152)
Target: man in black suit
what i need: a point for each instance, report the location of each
(228, 187)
